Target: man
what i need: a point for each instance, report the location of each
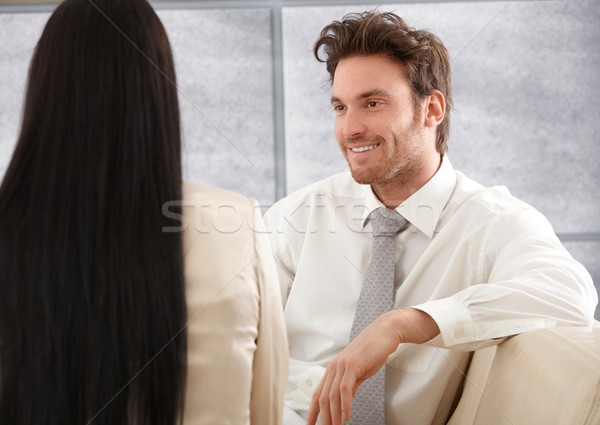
(469, 265)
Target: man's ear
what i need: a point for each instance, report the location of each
(435, 109)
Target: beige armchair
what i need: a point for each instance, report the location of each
(547, 377)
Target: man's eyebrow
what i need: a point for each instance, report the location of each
(376, 92)
(365, 95)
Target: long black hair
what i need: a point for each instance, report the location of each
(91, 289)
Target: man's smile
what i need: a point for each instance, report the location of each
(364, 148)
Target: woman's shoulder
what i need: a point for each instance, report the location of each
(220, 218)
(212, 197)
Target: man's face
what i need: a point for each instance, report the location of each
(377, 128)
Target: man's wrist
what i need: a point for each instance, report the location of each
(412, 325)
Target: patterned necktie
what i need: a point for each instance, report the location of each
(376, 297)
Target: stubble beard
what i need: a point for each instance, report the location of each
(401, 168)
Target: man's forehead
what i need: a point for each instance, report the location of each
(362, 74)
(371, 63)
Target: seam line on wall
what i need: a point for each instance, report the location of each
(579, 237)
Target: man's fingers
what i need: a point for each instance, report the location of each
(335, 402)
(319, 404)
(323, 397)
(347, 387)
(332, 399)
(313, 410)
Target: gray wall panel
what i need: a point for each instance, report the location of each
(526, 96)
(19, 34)
(224, 69)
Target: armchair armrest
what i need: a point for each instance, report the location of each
(547, 376)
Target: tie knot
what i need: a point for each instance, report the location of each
(386, 222)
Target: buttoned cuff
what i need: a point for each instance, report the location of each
(302, 383)
(459, 331)
(453, 319)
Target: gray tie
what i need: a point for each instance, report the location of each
(376, 297)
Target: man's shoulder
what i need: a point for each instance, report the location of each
(496, 200)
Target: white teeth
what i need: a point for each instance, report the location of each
(364, 148)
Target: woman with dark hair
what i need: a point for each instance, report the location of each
(120, 303)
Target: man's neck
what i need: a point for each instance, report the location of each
(394, 192)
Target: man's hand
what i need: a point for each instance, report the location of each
(362, 358)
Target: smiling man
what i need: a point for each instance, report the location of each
(387, 138)
(393, 272)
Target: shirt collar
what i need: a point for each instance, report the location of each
(423, 208)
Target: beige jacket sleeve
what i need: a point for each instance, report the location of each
(271, 357)
(237, 346)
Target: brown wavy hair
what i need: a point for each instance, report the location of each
(422, 54)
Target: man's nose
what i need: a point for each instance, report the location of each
(354, 124)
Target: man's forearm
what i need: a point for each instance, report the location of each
(412, 325)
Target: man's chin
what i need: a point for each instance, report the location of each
(362, 177)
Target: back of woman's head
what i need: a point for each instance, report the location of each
(91, 288)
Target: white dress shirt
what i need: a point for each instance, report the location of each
(483, 264)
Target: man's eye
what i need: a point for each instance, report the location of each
(338, 108)
(373, 104)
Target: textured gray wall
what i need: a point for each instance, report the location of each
(224, 69)
(18, 35)
(526, 90)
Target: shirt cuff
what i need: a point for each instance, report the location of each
(458, 329)
(453, 319)
(302, 383)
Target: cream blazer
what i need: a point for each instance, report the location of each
(237, 345)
